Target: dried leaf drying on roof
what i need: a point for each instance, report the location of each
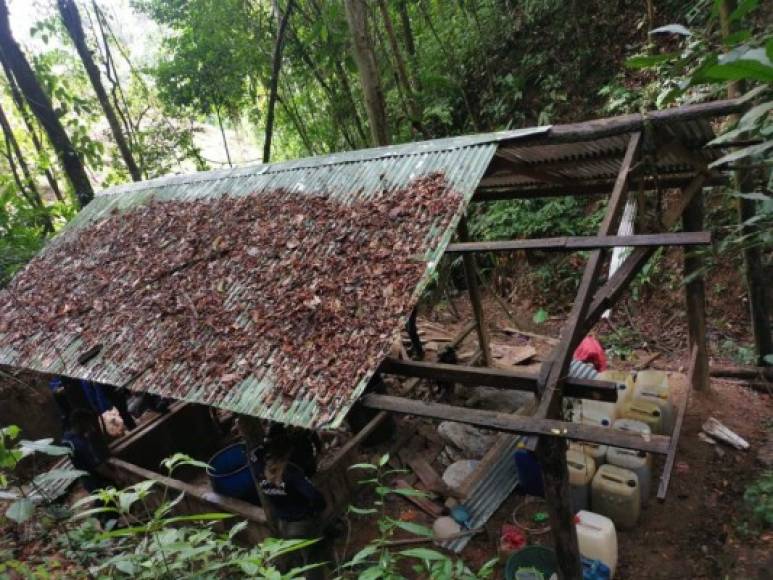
(212, 291)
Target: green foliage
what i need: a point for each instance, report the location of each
(759, 499)
(380, 559)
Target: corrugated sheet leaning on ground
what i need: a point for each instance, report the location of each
(345, 177)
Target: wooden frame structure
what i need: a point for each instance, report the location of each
(646, 138)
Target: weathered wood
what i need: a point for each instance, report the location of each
(614, 287)
(422, 503)
(750, 373)
(691, 238)
(665, 478)
(507, 379)
(520, 167)
(695, 297)
(474, 291)
(355, 441)
(463, 333)
(491, 192)
(518, 423)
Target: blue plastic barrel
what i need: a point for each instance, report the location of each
(529, 473)
(229, 474)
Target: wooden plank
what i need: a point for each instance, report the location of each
(430, 478)
(692, 238)
(614, 287)
(518, 424)
(665, 478)
(474, 291)
(424, 504)
(355, 441)
(509, 379)
(466, 330)
(749, 373)
(489, 193)
(521, 167)
(695, 296)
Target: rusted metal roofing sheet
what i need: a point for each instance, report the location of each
(345, 177)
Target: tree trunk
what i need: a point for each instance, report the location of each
(72, 22)
(362, 47)
(27, 185)
(402, 71)
(41, 106)
(276, 68)
(222, 134)
(24, 113)
(744, 181)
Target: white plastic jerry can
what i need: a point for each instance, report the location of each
(633, 426)
(596, 415)
(637, 461)
(596, 451)
(645, 411)
(581, 468)
(597, 539)
(615, 493)
(625, 387)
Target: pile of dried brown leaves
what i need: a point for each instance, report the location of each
(206, 293)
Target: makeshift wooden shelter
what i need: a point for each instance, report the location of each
(623, 158)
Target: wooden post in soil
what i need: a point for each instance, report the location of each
(472, 287)
(251, 430)
(695, 294)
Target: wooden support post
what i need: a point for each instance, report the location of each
(695, 294)
(472, 287)
(251, 430)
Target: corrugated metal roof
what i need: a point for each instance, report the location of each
(599, 159)
(345, 177)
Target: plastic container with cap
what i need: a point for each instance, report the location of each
(597, 539)
(595, 415)
(615, 493)
(653, 386)
(625, 387)
(633, 426)
(637, 461)
(645, 411)
(581, 468)
(596, 451)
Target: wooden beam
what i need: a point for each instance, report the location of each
(695, 297)
(486, 193)
(520, 167)
(665, 478)
(691, 238)
(614, 287)
(474, 291)
(748, 373)
(355, 441)
(497, 378)
(507, 422)
(551, 452)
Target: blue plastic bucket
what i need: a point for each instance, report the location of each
(229, 473)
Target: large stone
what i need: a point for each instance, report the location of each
(458, 472)
(471, 442)
(498, 400)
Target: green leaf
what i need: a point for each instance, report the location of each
(424, 554)
(743, 9)
(236, 528)
(363, 466)
(372, 573)
(126, 566)
(58, 475)
(540, 316)
(180, 459)
(742, 63)
(209, 517)
(408, 492)
(383, 460)
(20, 511)
(11, 432)
(768, 358)
(43, 446)
(672, 29)
(752, 115)
(362, 511)
(648, 60)
(755, 196)
(413, 528)
(362, 555)
(750, 151)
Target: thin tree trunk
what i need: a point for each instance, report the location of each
(356, 16)
(744, 180)
(40, 103)
(27, 185)
(24, 113)
(410, 43)
(72, 22)
(222, 134)
(276, 68)
(402, 72)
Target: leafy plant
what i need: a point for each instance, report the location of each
(759, 499)
(380, 559)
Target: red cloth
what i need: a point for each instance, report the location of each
(591, 351)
